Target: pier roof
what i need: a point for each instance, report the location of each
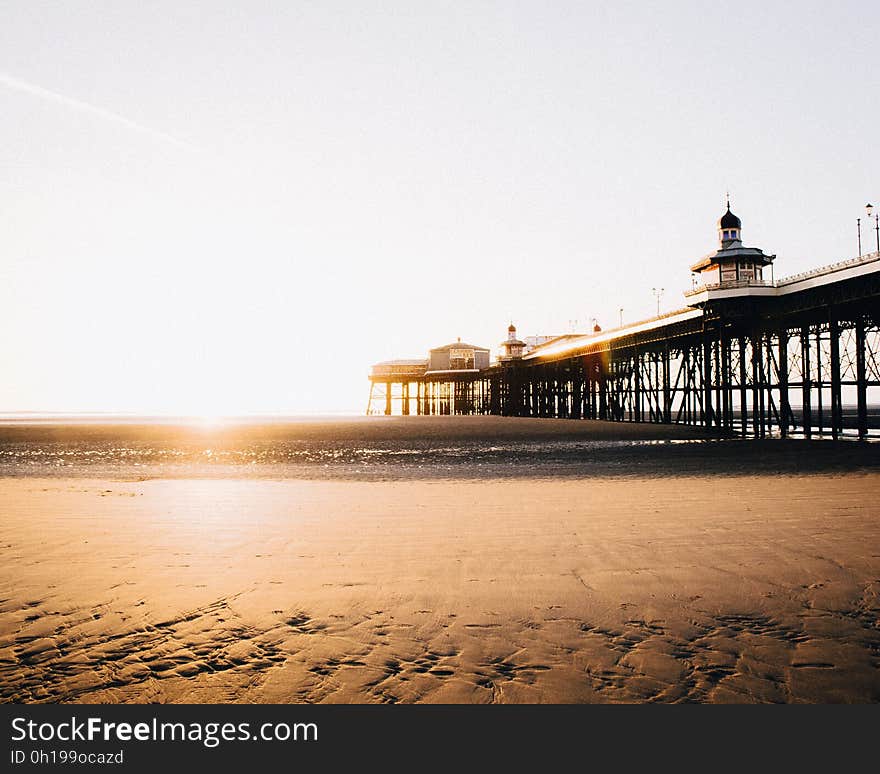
(729, 220)
(404, 362)
(570, 344)
(733, 250)
(458, 345)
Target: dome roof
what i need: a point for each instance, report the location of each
(511, 328)
(729, 220)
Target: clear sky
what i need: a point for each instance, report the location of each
(224, 207)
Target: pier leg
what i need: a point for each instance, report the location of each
(861, 379)
(707, 379)
(388, 399)
(667, 392)
(726, 396)
(719, 379)
(767, 395)
(743, 391)
(757, 420)
(784, 407)
(761, 384)
(834, 332)
(820, 384)
(806, 386)
(577, 390)
(637, 385)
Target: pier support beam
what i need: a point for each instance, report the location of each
(782, 371)
(807, 383)
(707, 378)
(834, 333)
(861, 379)
(667, 392)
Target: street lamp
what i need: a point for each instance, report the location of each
(658, 292)
(869, 209)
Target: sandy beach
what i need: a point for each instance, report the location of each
(754, 587)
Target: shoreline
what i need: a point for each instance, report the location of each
(734, 458)
(411, 448)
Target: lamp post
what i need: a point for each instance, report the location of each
(869, 209)
(658, 292)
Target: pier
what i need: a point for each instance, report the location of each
(746, 355)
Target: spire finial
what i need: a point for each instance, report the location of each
(728, 200)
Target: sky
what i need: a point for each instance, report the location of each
(229, 207)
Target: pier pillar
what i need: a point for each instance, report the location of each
(807, 383)
(820, 383)
(577, 389)
(757, 423)
(707, 378)
(743, 391)
(784, 407)
(667, 392)
(637, 385)
(861, 379)
(834, 332)
(719, 378)
(726, 386)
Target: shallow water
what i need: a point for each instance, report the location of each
(409, 448)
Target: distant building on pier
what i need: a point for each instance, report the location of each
(458, 357)
(512, 348)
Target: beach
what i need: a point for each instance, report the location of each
(435, 559)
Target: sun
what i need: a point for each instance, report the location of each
(209, 421)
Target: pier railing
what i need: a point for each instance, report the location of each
(742, 283)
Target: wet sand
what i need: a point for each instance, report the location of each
(406, 448)
(739, 588)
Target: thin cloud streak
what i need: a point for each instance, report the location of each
(74, 104)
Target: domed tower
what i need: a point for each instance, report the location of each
(729, 228)
(512, 349)
(732, 265)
